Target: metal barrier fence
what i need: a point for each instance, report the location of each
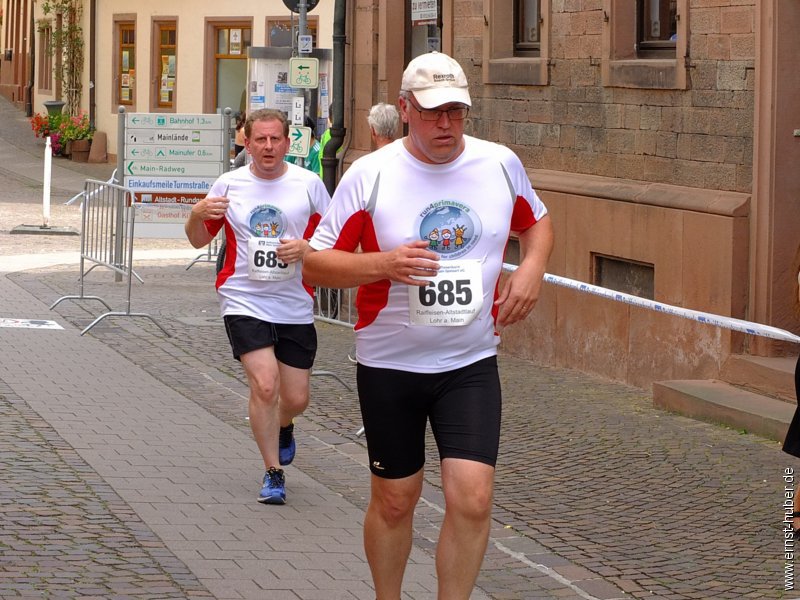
(82, 194)
(107, 220)
(335, 306)
(215, 252)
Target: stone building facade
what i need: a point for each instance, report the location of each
(668, 174)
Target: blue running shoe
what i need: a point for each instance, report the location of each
(274, 488)
(286, 445)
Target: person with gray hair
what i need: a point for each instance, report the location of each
(383, 120)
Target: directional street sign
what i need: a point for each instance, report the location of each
(300, 138)
(304, 44)
(172, 169)
(304, 72)
(170, 161)
(162, 198)
(177, 121)
(298, 110)
(154, 152)
(201, 137)
(192, 185)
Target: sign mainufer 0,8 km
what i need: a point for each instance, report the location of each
(170, 162)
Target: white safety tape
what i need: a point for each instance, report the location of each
(695, 315)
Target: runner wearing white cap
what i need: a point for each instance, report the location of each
(432, 214)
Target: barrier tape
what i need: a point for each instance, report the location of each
(709, 319)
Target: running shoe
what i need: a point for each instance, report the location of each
(274, 489)
(286, 445)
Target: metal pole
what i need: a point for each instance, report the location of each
(226, 139)
(119, 225)
(120, 145)
(302, 8)
(329, 160)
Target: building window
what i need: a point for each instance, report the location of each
(282, 32)
(126, 64)
(526, 27)
(646, 48)
(516, 42)
(165, 68)
(226, 46)
(46, 57)
(656, 28)
(626, 276)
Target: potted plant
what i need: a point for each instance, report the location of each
(49, 124)
(78, 132)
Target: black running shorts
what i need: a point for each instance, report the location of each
(295, 345)
(463, 407)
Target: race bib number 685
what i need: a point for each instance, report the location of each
(263, 263)
(453, 297)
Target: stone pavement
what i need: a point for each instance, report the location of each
(128, 469)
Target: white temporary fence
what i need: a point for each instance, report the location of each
(695, 315)
(347, 317)
(107, 221)
(336, 306)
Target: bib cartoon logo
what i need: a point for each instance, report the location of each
(267, 221)
(451, 228)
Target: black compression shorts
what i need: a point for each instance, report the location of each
(463, 406)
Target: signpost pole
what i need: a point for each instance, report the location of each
(120, 145)
(302, 7)
(226, 139)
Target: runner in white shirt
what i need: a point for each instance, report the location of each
(432, 214)
(269, 210)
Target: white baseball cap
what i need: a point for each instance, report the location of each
(436, 79)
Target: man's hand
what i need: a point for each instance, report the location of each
(211, 208)
(208, 209)
(292, 250)
(518, 297)
(409, 262)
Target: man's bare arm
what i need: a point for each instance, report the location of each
(206, 209)
(340, 269)
(521, 290)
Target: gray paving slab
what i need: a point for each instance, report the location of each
(166, 456)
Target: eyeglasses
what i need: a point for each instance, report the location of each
(457, 113)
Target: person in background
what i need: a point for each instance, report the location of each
(238, 143)
(383, 122)
(268, 209)
(310, 162)
(791, 443)
(430, 317)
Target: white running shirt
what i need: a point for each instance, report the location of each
(465, 209)
(260, 212)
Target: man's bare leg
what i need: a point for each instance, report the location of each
(261, 369)
(468, 493)
(294, 392)
(387, 531)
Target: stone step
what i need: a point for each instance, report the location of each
(720, 402)
(764, 375)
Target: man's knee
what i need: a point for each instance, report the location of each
(264, 389)
(394, 503)
(474, 505)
